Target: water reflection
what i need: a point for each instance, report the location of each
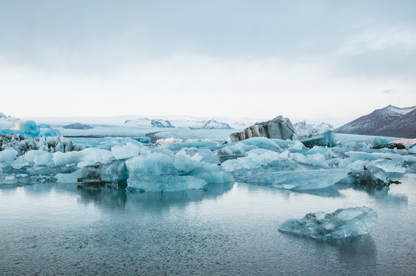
(103, 196)
(380, 194)
(352, 252)
(211, 191)
(116, 198)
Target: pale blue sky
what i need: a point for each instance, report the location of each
(316, 60)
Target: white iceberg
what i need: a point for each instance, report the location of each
(340, 224)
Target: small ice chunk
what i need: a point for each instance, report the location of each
(390, 165)
(67, 158)
(8, 155)
(69, 177)
(212, 174)
(371, 176)
(297, 146)
(236, 148)
(124, 152)
(189, 159)
(340, 224)
(262, 143)
(380, 143)
(344, 163)
(316, 159)
(285, 154)
(317, 149)
(254, 159)
(298, 157)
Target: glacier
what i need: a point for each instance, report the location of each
(342, 223)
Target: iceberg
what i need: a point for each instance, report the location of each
(304, 130)
(114, 172)
(326, 139)
(279, 128)
(7, 156)
(370, 176)
(340, 224)
(158, 172)
(125, 151)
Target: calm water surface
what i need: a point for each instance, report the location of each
(52, 229)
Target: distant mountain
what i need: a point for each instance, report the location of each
(210, 124)
(7, 121)
(389, 121)
(178, 123)
(239, 125)
(145, 122)
(78, 126)
(404, 127)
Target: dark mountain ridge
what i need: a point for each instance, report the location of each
(389, 121)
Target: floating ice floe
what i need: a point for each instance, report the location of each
(340, 224)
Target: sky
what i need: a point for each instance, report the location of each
(330, 61)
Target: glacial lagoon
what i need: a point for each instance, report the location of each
(225, 229)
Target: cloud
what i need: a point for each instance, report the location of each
(390, 91)
(221, 57)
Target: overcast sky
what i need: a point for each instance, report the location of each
(326, 61)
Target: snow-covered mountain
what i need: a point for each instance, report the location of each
(7, 121)
(385, 122)
(210, 124)
(324, 126)
(178, 123)
(239, 125)
(404, 127)
(145, 122)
